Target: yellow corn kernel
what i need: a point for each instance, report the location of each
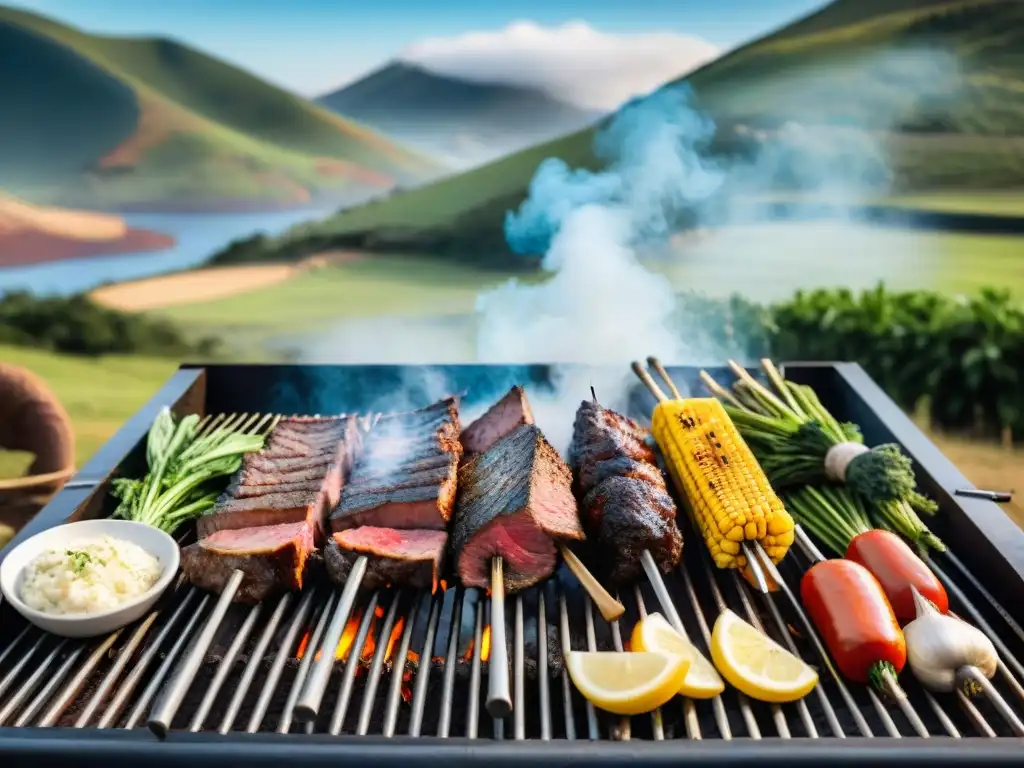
(713, 468)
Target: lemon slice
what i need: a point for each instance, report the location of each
(755, 664)
(627, 683)
(656, 635)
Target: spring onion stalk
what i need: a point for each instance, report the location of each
(177, 488)
(793, 436)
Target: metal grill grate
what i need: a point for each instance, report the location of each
(409, 663)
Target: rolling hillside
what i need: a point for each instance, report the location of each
(32, 234)
(144, 120)
(464, 122)
(939, 83)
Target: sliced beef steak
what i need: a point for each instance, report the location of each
(406, 475)
(515, 500)
(423, 506)
(408, 558)
(502, 418)
(271, 489)
(272, 557)
(625, 516)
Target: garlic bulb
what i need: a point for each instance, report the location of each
(938, 646)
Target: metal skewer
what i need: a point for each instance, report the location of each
(499, 692)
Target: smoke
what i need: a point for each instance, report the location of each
(608, 238)
(600, 305)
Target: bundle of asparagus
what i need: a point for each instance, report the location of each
(812, 459)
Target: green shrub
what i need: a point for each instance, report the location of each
(76, 325)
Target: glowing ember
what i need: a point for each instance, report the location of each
(395, 634)
(485, 644)
(348, 638)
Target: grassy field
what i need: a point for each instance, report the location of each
(148, 120)
(935, 81)
(763, 262)
(101, 395)
(404, 286)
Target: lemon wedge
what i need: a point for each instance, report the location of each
(756, 665)
(654, 634)
(627, 683)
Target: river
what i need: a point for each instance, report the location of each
(197, 236)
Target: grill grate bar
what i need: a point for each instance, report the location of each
(448, 681)
(170, 700)
(352, 665)
(235, 706)
(224, 669)
(29, 685)
(373, 679)
(566, 643)
(473, 708)
(544, 671)
(11, 676)
(425, 666)
(47, 690)
(285, 723)
(657, 723)
(298, 622)
(593, 727)
(398, 665)
(518, 673)
(166, 667)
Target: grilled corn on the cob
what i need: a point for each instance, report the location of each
(726, 489)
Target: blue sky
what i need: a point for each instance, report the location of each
(313, 45)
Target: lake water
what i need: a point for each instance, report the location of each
(197, 237)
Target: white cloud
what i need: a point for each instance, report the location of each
(574, 62)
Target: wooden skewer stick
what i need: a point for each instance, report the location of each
(610, 608)
(659, 369)
(645, 377)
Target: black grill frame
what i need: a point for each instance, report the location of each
(988, 542)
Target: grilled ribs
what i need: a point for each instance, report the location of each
(625, 504)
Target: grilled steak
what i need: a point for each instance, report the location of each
(272, 557)
(514, 500)
(502, 418)
(625, 516)
(406, 475)
(261, 493)
(410, 558)
(625, 504)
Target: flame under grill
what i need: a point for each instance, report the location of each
(252, 663)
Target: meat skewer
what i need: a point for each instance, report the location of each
(390, 523)
(515, 507)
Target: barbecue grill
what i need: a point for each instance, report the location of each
(203, 680)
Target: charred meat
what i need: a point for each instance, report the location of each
(405, 477)
(515, 500)
(625, 504)
(410, 558)
(272, 515)
(502, 418)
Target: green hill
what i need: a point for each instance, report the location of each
(464, 121)
(939, 84)
(125, 120)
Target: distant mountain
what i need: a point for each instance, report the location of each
(464, 122)
(112, 121)
(938, 83)
(31, 234)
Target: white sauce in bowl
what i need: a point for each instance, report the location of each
(93, 576)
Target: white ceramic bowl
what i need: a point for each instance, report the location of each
(153, 540)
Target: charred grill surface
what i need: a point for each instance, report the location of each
(624, 501)
(515, 500)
